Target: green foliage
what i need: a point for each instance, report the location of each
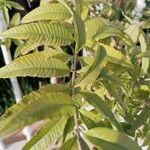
(46, 135)
(105, 94)
(54, 105)
(105, 138)
(36, 64)
(47, 12)
(94, 70)
(101, 106)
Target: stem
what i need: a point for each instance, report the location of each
(73, 99)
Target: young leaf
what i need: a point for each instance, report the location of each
(30, 45)
(106, 138)
(44, 33)
(15, 20)
(53, 11)
(15, 5)
(100, 106)
(48, 134)
(28, 111)
(94, 70)
(35, 64)
(79, 35)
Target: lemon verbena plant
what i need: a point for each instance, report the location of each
(105, 101)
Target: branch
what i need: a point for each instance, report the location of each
(73, 99)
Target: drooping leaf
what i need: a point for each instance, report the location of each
(41, 106)
(94, 70)
(101, 107)
(43, 33)
(36, 64)
(106, 138)
(47, 135)
(50, 11)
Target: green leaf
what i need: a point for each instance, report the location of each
(52, 88)
(15, 5)
(42, 33)
(111, 76)
(30, 45)
(100, 28)
(48, 134)
(133, 29)
(101, 107)
(36, 64)
(145, 61)
(106, 138)
(79, 35)
(147, 139)
(139, 121)
(116, 57)
(58, 54)
(68, 128)
(70, 144)
(83, 144)
(87, 121)
(146, 24)
(144, 54)
(94, 70)
(52, 11)
(15, 20)
(34, 107)
(82, 8)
